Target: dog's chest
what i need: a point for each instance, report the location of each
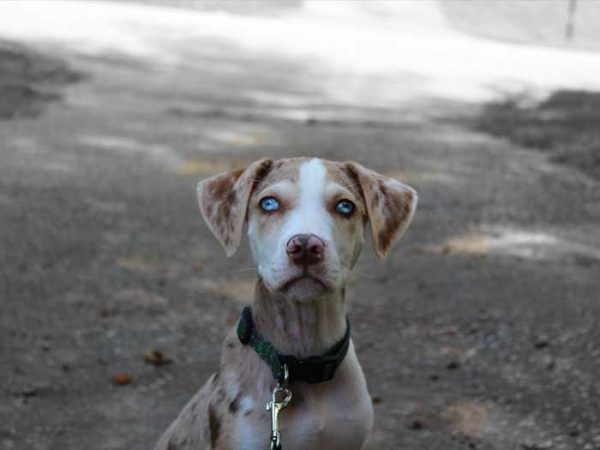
(323, 421)
(328, 429)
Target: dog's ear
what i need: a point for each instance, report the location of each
(223, 201)
(390, 205)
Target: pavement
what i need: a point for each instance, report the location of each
(479, 331)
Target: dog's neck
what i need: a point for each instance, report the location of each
(296, 328)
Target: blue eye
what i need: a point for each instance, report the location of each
(269, 204)
(345, 207)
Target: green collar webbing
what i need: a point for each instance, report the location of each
(314, 369)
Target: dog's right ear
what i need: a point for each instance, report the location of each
(223, 201)
(390, 205)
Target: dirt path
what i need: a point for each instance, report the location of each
(480, 331)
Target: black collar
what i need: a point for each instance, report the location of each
(314, 369)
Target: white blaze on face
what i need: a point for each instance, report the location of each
(309, 215)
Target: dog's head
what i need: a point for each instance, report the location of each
(306, 219)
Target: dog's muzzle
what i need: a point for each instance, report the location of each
(305, 250)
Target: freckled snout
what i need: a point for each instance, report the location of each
(305, 250)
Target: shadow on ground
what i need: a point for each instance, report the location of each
(566, 125)
(28, 81)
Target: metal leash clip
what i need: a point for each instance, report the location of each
(281, 396)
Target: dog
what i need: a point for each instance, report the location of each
(306, 219)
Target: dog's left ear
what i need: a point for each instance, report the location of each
(223, 201)
(390, 205)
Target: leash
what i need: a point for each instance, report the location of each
(281, 396)
(287, 368)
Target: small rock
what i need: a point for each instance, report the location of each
(156, 358)
(121, 379)
(472, 329)
(453, 365)
(105, 312)
(29, 392)
(416, 425)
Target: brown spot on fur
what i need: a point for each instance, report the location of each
(395, 212)
(382, 189)
(262, 172)
(224, 213)
(230, 345)
(222, 184)
(214, 426)
(230, 199)
(385, 238)
(234, 405)
(220, 395)
(376, 198)
(405, 208)
(352, 173)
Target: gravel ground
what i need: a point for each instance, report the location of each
(480, 331)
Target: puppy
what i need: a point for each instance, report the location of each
(306, 220)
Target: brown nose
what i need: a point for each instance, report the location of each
(305, 249)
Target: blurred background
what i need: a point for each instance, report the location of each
(480, 331)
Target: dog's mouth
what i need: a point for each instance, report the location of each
(303, 284)
(305, 279)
